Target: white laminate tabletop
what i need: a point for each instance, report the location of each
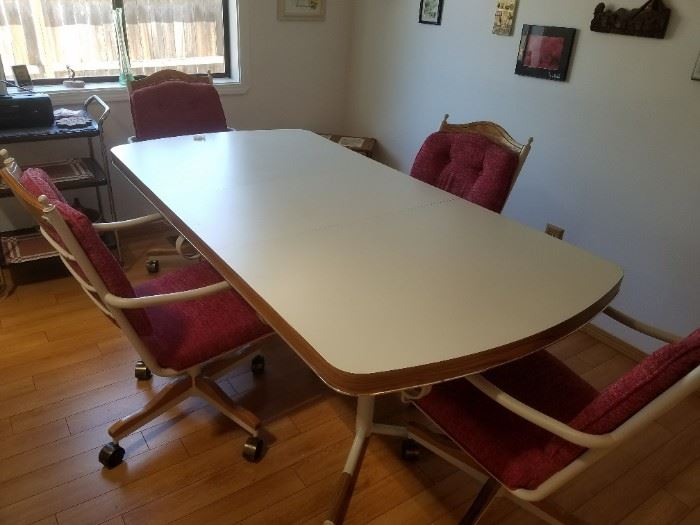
(378, 281)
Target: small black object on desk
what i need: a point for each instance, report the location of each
(25, 110)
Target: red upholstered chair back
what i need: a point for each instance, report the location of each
(467, 165)
(109, 272)
(641, 385)
(478, 161)
(38, 182)
(174, 108)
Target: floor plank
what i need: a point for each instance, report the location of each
(72, 495)
(643, 480)
(684, 486)
(16, 388)
(249, 500)
(301, 507)
(661, 509)
(19, 442)
(52, 471)
(166, 491)
(432, 503)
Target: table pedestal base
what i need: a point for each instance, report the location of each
(364, 428)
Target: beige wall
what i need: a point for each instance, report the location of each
(617, 148)
(297, 78)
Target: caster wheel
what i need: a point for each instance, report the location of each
(253, 449)
(152, 265)
(257, 365)
(111, 455)
(410, 451)
(142, 372)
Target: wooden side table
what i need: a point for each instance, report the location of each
(362, 145)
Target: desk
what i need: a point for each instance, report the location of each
(378, 281)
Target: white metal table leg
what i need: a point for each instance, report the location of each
(364, 421)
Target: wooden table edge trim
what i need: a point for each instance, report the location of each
(378, 382)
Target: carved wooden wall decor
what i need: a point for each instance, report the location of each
(650, 20)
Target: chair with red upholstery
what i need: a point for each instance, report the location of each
(188, 324)
(170, 103)
(479, 162)
(532, 425)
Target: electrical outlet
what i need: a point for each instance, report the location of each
(554, 231)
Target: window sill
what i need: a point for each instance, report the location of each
(115, 92)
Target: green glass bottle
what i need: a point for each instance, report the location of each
(125, 74)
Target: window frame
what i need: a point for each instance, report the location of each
(226, 6)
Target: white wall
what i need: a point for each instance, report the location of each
(617, 148)
(297, 78)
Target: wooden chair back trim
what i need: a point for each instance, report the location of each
(28, 201)
(495, 133)
(166, 75)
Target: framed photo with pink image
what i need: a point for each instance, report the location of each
(545, 52)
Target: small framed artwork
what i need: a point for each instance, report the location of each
(431, 12)
(505, 17)
(696, 71)
(22, 75)
(301, 10)
(545, 52)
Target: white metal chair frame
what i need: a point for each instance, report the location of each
(196, 380)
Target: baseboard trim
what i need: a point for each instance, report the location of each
(612, 341)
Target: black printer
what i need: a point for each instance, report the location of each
(25, 110)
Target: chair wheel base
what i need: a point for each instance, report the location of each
(257, 365)
(153, 265)
(253, 449)
(410, 451)
(111, 455)
(142, 372)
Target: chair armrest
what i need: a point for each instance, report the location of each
(129, 223)
(154, 300)
(105, 108)
(641, 327)
(536, 417)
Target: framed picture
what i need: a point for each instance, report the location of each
(545, 52)
(301, 10)
(505, 17)
(22, 75)
(696, 71)
(431, 12)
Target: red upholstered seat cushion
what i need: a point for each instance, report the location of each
(179, 335)
(38, 183)
(513, 450)
(191, 332)
(467, 165)
(522, 455)
(175, 108)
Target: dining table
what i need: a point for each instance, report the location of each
(379, 282)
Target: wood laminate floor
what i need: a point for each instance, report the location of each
(66, 373)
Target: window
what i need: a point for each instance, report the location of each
(49, 35)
